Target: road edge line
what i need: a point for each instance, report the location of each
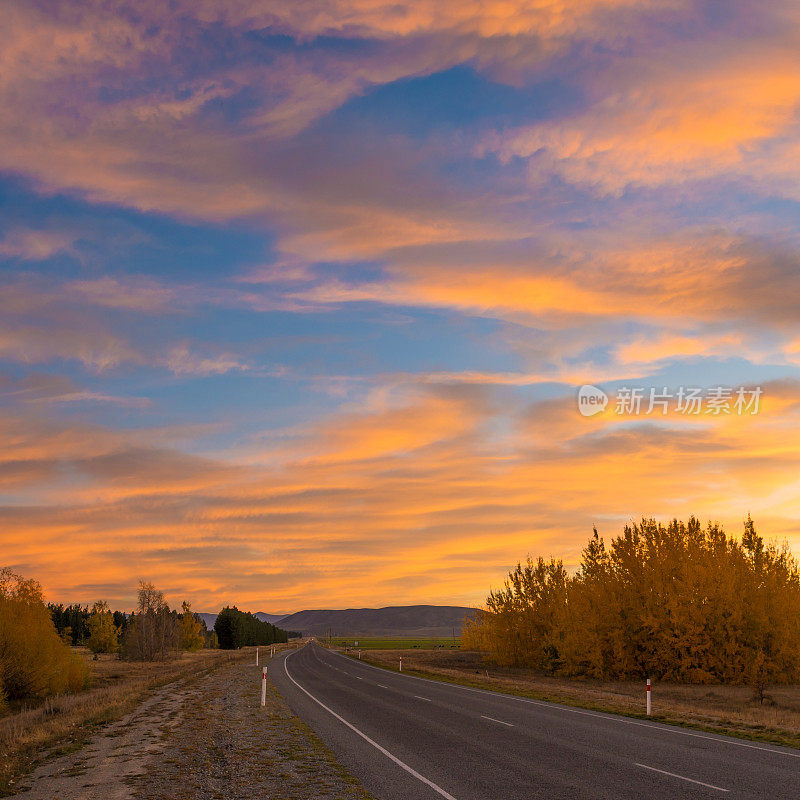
(682, 777)
(402, 764)
(720, 738)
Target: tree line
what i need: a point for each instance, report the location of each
(72, 622)
(152, 632)
(678, 602)
(37, 658)
(236, 628)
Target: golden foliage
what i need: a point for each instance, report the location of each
(103, 633)
(678, 602)
(34, 661)
(191, 629)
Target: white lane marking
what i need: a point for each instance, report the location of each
(382, 686)
(683, 778)
(426, 699)
(610, 717)
(358, 678)
(510, 725)
(402, 764)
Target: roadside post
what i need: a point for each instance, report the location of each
(359, 655)
(256, 656)
(264, 686)
(272, 651)
(648, 697)
(401, 663)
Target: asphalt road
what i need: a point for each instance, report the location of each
(408, 738)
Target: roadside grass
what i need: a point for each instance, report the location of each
(32, 733)
(729, 710)
(399, 643)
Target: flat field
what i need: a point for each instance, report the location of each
(397, 643)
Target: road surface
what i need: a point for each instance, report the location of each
(408, 738)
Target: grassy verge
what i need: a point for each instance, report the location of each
(30, 734)
(728, 710)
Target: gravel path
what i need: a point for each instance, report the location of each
(208, 740)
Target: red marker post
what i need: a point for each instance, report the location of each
(264, 687)
(648, 697)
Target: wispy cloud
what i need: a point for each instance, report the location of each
(391, 239)
(383, 492)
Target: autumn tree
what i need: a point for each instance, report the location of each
(192, 628)
(34, 661)
(153, 630)
(103, 634)
(675, 601)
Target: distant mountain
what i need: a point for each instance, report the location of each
(210, 619)
(412, 621)
(273, 618)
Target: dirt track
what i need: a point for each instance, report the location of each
(209, 740)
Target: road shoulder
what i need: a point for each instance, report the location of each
(204, 739)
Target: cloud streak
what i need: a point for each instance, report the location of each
(295, 298)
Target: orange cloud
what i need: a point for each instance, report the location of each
(676, 117)
(665, 346)
(389, 505)
(434, 482)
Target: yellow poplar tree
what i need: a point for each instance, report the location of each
(191, 629)
(103, 633)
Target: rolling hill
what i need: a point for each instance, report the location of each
(411, 621)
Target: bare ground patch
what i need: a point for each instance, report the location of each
(206, 738)
(226, 746)
(33, 732)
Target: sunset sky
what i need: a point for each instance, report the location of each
(296, 297)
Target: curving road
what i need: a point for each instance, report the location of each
(408, 738)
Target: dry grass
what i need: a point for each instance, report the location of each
(724, 709)
(30, 734)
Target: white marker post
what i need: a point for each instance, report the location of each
(648, 697)
(256, 656)
(401, 663)
(359, 655)
(264, 686)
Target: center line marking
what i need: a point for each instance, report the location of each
(402, 764)
(426, 699)
(683, 778)
(510, 725)
(653, 726)
(382, 686)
